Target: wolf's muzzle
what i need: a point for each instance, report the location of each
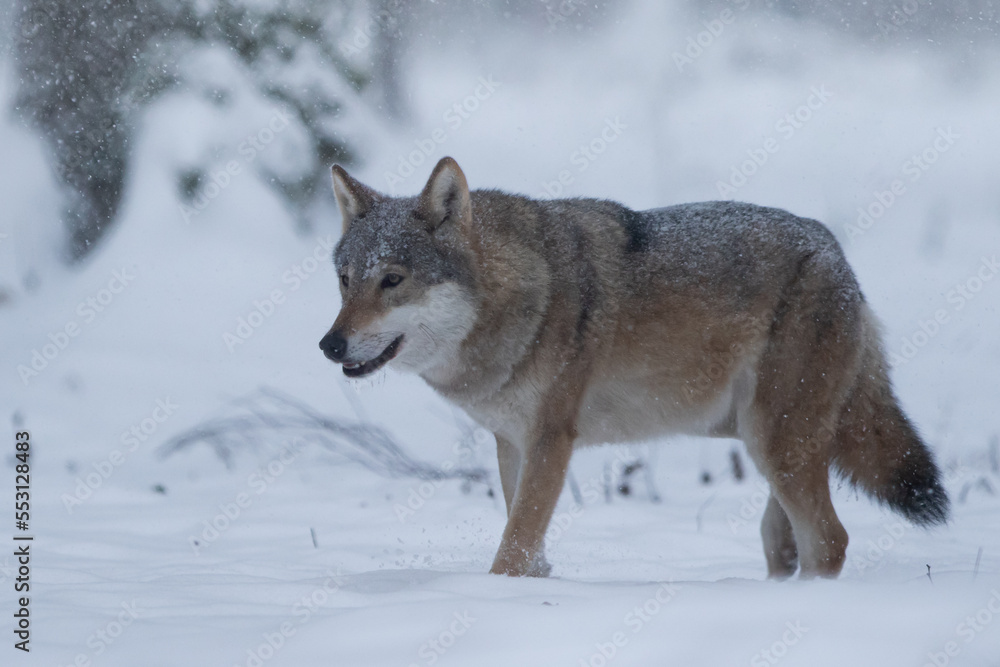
(334, 346)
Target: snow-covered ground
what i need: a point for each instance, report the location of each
(183, 562)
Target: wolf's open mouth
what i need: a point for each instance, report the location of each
(362, 369)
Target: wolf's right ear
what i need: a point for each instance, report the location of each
(446, 196)
(353, 197)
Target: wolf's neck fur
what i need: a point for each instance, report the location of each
(514, 289)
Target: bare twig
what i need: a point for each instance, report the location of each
(269, 415)
(701, 511)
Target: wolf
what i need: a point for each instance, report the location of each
(558, 324)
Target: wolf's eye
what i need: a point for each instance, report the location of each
(391, 280)
(344, 280)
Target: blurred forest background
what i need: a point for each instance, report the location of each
(85, 72)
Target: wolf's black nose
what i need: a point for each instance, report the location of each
(334, 345)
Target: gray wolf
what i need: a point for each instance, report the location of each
(565, 323)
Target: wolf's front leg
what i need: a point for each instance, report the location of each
(543, 470)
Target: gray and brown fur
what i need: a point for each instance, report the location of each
(577, 322)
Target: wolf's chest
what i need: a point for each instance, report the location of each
(613, 411)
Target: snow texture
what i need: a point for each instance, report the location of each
(298, 555)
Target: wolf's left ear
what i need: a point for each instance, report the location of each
(353, 197)
(446, 198)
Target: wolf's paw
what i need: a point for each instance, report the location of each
(539, 567)
(521, 567)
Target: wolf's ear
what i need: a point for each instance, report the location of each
(446, 198)
(353, 197)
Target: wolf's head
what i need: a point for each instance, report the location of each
(405, 267)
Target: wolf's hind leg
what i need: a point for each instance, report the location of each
(779, 542)
(796, 468)
(810, 362)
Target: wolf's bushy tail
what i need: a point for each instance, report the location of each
(878, 448)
